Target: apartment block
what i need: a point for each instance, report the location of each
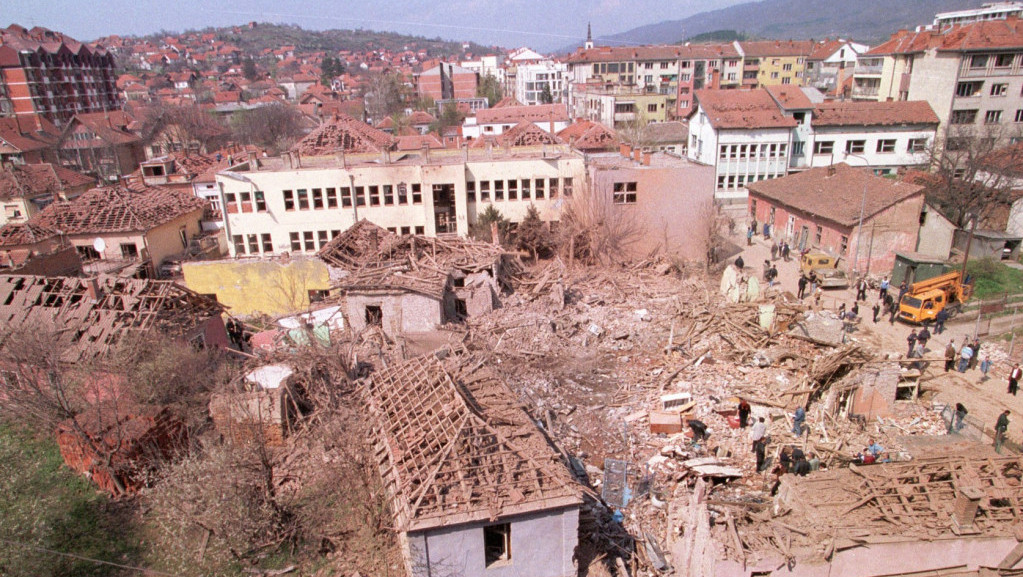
(55, 76)
(971, 74)
(749, 136)
(448, 81)
(672, 71)
(774, 62)
(533, 81)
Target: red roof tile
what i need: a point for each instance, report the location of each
(984, 35)
(767, 48)
(131, 208)
(857, 113)
(32, 180)
(516, 114)
(343, 132)
(835, 193)
(730, 109)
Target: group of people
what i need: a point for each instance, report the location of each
(967, 357)
(781, 249)
(872, 453)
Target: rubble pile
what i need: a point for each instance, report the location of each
(615, 365)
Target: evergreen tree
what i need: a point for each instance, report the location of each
(481, 229)
(531, 234)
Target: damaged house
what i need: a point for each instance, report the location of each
(476, 488)
(413, 283)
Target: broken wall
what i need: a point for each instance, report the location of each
(875, 397)
(542, 545)
(401, 312)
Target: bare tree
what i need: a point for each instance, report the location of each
(386, 94)
(597, 224)
(189, 128)
(974, 170)
(275, 127)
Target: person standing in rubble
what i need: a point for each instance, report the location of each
(883, 290)
(774, 250)
(911, 341)
(785, 251)
(744, 411)
(955, 423)
(950, 356)
(801, 286)
(699, 429)
(798, 419)
(939, 321)
(758, 434)
(861, 289)
(965, 355)
(1000, 428)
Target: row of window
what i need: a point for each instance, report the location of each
(304, 241)
(990, 116)
(882, 146)
(739, 181)
(749, 151)
(973, 88)
(373, 195)
(515, 189)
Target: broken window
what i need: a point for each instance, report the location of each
(470, 191)
(513, 189)
(420, 230)
(260, 201)
(824, 147)
(461, 309)
(498, 190)
(360, 196)
(568, 187)
(374, 196)
(253, 244)
(525, 188)
(497, 543)
(374, 315)
(886, 145)
(540, 188)
(307, 238)
(855, 146)
(485, 191)
(388, 195)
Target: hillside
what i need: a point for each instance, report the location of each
(870, 21)
(254, 40)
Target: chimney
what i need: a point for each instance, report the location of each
(964, 511)
(636, 152)
(646, 159)
(426, 151)
(625, 150)
(92, 289)
(288, 160)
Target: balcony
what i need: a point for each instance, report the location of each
(866, 92)
(868, 70)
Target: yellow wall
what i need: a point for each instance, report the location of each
(777, 64)
(258, 286)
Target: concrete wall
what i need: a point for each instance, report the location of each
(542, 545)
(934, 79)
(258, 286)
(671, 207)
(936, 234)
(840, 135)
(402, 312)
(164, 241)
(280, 223)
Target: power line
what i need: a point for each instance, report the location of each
(89, 559)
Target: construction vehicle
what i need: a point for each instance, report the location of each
(825, 269)
(926, 298)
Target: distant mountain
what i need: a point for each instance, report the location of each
(869, 21)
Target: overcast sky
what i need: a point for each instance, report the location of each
(543, 24)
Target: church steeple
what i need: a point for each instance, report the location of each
(589, 37)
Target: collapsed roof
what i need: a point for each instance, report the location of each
(380, 260)
(91, 317)
(456, 448)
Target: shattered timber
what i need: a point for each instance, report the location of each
(543, 429)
